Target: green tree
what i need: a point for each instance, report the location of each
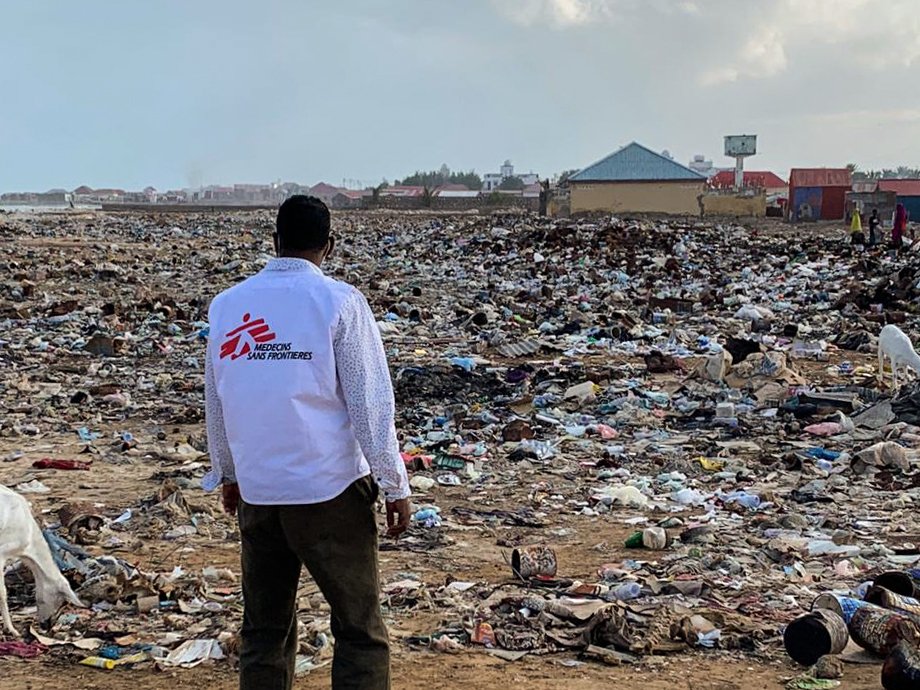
(437, 178)
(470, 179)
(512, 183)
(566, 174)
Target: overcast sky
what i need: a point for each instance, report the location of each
(175, 93)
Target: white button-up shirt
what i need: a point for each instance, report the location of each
(299, 402)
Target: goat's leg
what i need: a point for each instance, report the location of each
(4, 606)
(881, 365)
(894, 373)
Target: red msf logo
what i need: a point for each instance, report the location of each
(243, 339)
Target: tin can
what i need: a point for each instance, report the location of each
(533, 561)
(902, 583)
(902, 669)
(880, 630)
(843, 606)
(484, 635)
(907, 606)
(815, 634)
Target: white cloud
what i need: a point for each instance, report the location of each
(558, 13)
(763, 55)
(569, 13)
(875, 35)
(864, 118)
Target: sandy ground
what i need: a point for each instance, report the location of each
(473, 556)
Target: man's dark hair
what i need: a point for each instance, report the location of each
(303, 224)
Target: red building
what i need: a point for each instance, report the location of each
(773, 183)
(818, 193)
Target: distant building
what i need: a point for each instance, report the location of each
(349, 198)
(753, 179)
(531, 191)
(908, 193)
(324, 192)
(403, 191)
(636, 179)
(818, 193)
(451, 187)
(87, 195)
(492, 181)
(702, 166)
(457, 193)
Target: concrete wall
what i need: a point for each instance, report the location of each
(678, 198)
(483, 203)
(735, 206)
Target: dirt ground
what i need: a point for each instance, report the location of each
(428, 671)
(472, 556)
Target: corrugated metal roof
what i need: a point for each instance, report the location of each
(820, 177)
(900, 187)
(635, 163)
(457, 193)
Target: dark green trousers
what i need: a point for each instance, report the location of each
(337, 542)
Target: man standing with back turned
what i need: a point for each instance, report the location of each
(300, 418)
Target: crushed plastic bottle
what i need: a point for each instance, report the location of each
(628, 591)
(751, 501)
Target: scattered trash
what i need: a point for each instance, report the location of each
(709, 449)
(533, 561)
(193, 652)
(654, 538)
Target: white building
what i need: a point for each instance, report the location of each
(492, 181)
(702, 166)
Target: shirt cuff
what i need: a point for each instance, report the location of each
(212, 479)
(397, 494)
(216, 478)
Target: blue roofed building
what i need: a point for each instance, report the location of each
(636, 179)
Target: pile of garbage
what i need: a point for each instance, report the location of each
(625, 438)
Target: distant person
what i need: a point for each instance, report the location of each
(300, 420)
(874, 223)
(856, 231)
(899, 227)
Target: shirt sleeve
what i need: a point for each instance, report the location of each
(222, 470)
(365, 379)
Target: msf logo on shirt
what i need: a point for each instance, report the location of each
(254, 339)
(246, 338)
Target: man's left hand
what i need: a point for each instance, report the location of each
(398, 517)
(230, 497)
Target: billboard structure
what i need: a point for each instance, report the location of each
(739, 147)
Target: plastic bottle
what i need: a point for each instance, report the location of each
(744, 498)
(465, 363)
(98, 662)
(653, 538)
(687, 497)
(824, 465)
(628, 591)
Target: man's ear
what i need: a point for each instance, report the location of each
(329, 247)
(276, 241)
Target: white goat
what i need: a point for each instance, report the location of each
(21, 538)
(894, 344)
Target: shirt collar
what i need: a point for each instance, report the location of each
(290, 263)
